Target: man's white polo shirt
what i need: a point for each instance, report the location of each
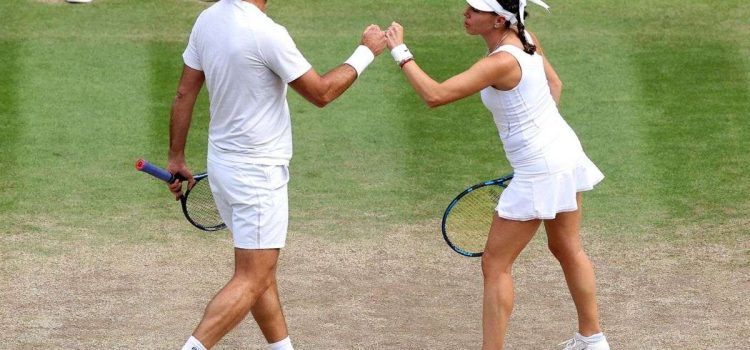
(248, 60)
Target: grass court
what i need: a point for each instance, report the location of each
(94, 255)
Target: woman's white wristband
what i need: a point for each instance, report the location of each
(401, 53)
(360, 59)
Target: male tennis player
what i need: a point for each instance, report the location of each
(247, 61)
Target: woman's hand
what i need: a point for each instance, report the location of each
(394, 35)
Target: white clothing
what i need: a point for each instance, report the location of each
(253, 201)
(548, 162)
(248, 60)
(594, 342)
(193, 344)
(284, 344)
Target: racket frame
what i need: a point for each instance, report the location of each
(501, 181)
(184, 199)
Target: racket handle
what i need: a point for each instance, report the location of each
(155, 171)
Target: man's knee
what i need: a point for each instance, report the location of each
(256, 269)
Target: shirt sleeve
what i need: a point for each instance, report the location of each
(281, 55)
(191, 56)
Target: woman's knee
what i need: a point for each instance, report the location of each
(566, 251)
(494, 266)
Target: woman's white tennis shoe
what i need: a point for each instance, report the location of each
(579, 342)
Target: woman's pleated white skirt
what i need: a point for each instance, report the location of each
(542, 196)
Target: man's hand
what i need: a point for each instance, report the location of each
(374, 39)
(180, 171)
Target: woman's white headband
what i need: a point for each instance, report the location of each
(510, 16)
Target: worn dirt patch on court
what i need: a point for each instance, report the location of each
(402, 289)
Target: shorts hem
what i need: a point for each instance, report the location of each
(257, 247)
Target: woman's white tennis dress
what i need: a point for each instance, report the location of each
(548, 162)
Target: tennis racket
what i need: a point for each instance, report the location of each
(197, 203)
(466, 221)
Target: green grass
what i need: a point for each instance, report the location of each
(658, 94)
(10, 126)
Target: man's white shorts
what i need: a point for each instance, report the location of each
(253, 201)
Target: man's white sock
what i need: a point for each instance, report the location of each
(284, 344)
(193, 344)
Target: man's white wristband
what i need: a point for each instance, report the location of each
(360, 59)
(401, 53)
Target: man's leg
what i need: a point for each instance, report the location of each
(269, 315)
(255, 272)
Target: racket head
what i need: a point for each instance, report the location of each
(199, 206)
(467, 219)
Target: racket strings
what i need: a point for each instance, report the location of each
(201, 208)
(468, 223)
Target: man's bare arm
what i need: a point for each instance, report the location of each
(322, 90)
(191, 83)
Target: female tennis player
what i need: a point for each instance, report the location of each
(521, 89)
